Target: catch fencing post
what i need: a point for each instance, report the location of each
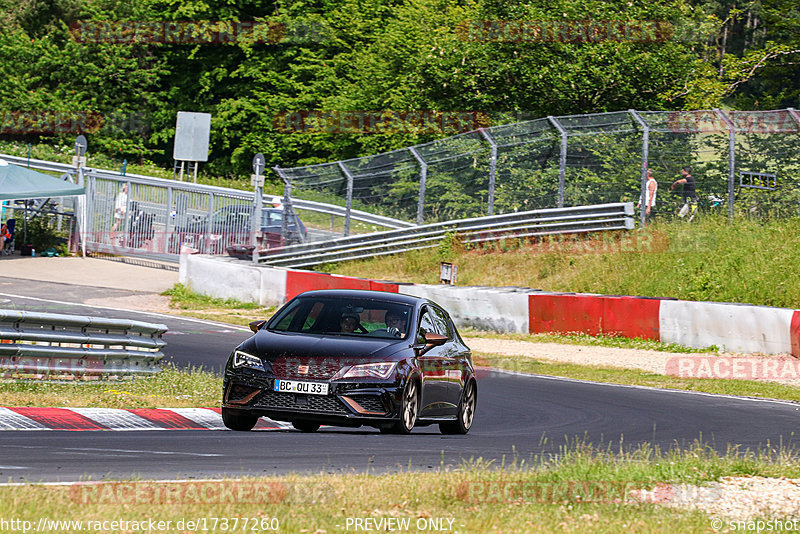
(423, 178)
(349, 201)
(168, 223)
(796, 116)
(731, 159)
(562, 162)
(210, 226)
(257, 181)
(645, 156)
(492, 169)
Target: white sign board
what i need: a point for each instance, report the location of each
(192, 131)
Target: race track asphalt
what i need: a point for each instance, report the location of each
(518, 418)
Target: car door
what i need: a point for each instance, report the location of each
(452, 359)
(433, 363)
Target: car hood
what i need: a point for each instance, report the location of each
(271, 346)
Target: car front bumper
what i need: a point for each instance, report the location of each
(348, 403)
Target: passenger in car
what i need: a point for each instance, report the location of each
(349, 322)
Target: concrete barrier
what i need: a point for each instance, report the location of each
(594, 314)
(733, 327)
(233, 279)
(494, 309)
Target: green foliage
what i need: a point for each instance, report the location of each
(42, 234)
(183, 297)
(346, 55)
(751, 261)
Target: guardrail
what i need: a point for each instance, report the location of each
(580, 219)
(52, 345)
(246, 196)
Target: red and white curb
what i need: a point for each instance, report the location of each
(82, 419)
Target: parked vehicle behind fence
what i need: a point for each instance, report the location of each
(230, 226)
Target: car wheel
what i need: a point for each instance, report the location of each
(237, 420)
(466, 412)
(409, 409)
(305, 426)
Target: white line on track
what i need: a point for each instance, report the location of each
(796, 405)
(155, 314)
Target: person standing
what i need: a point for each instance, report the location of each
(689, 191)
(5, 235)
(651, 188)
(120, 208)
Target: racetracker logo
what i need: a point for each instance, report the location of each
(178, 32)
(44, 122)
(546, 492)
(734, 368)
(380, 122)
(565, 31)
(209, 492)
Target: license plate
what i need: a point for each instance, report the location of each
(293, 386)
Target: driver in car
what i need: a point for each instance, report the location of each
(395, 323)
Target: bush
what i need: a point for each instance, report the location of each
(42, 234)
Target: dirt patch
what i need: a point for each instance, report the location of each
(783, 369)
(735, 498)
(150, 302)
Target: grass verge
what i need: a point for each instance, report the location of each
(176, 388)
(230, 311)
(751, 261)
(615, 375)
(586, 339)
(171, 388)
(578, 489)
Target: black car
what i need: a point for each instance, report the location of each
(230, 225)
(352, 358)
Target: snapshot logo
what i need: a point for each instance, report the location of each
(565, 31)
(379, 122)
(734, 368)
(50, 122)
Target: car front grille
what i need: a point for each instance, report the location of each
(299, 402)
(305, 368)
(371, 403)
(240, 393)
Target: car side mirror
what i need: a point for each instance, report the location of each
(431, 340)
(255, 326)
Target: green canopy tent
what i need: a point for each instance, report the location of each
(19, 183)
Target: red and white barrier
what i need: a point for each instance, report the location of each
(732, 327)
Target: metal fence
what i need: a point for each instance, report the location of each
(521, 225)
(51, 345)
(158, 216)
(574, 160)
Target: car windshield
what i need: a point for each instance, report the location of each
(271, 218)
(367, 318)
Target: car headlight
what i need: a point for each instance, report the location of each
(242, 359)
(382, 370)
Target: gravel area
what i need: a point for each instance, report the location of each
(651, 361)
(645, 360)
(735, 498)
(150, 302)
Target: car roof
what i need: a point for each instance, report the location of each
(366, 294)
(248, 206)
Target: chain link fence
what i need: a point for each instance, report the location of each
(745, 163)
